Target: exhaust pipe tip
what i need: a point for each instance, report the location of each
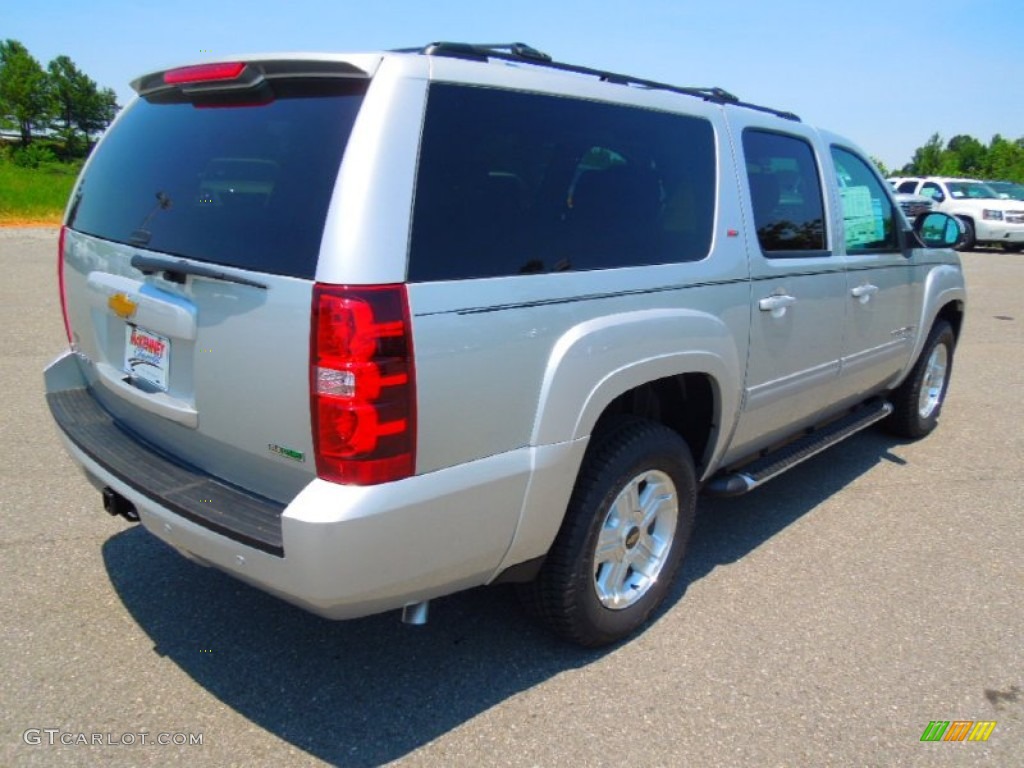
(416, 613)
(118, 506)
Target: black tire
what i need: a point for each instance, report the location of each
(565, 594)
(1013, 247)
(916, 414)
(969, 240)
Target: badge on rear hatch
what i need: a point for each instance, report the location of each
(121, 305)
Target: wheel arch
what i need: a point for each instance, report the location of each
(636, 364)
(945, 298)
(953, 313)
(687, 403)
(599, 362)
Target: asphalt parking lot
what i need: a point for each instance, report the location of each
(824, 620)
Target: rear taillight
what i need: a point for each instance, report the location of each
(60, 284)
(362, 384)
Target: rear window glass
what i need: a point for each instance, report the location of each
(514, 183)
(246, 186)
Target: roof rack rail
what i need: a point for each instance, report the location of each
(521, 52)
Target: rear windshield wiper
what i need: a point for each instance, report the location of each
(175, 270)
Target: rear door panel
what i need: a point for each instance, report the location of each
(798, 284)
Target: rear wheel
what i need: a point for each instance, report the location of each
(623, 538)
(918, 400)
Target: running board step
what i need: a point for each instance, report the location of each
(760, 471)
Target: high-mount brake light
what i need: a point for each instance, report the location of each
(60, 284)
(202, 73)
(362, 384)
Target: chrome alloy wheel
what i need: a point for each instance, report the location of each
(934, 381)
(635, 539)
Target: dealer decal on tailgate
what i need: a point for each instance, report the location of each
(147, 356)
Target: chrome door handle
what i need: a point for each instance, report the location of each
(863, 293)
(776, 304)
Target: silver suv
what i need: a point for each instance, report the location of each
(364, 330)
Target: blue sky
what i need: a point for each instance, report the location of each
(887, 74)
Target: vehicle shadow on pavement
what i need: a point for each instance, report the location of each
(355, 693)
(368, 691)
(728, 529)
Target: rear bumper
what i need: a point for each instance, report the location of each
(339, 551)
(190, 493)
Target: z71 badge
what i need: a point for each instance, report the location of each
(288, 453)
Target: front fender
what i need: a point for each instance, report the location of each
(944, 285)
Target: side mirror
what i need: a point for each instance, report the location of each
(938, 230)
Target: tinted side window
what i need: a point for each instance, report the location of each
(932, 190)
(868, 216)
(907, 186)
(513, 183)
(785, 193)
(247, 185)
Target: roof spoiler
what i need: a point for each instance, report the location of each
(240, 75)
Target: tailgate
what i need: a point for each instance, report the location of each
(211, 371)
(189, 253)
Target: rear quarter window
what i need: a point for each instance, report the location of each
(241, 185)
(513, 183)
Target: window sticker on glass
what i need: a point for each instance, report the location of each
(862, 219)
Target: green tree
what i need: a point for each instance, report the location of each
(927, 160)
(71, 90)
(964, 156)
(80, 104)
(24, 90)
(1005, 159)
(881, 167)
(99, 112)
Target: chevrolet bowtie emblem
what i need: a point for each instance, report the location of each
(122, 306)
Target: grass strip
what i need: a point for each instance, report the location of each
(35, 195)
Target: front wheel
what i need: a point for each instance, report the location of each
(969, 239)
(918, 400)
(623, 538)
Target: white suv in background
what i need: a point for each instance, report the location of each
(987, 218)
